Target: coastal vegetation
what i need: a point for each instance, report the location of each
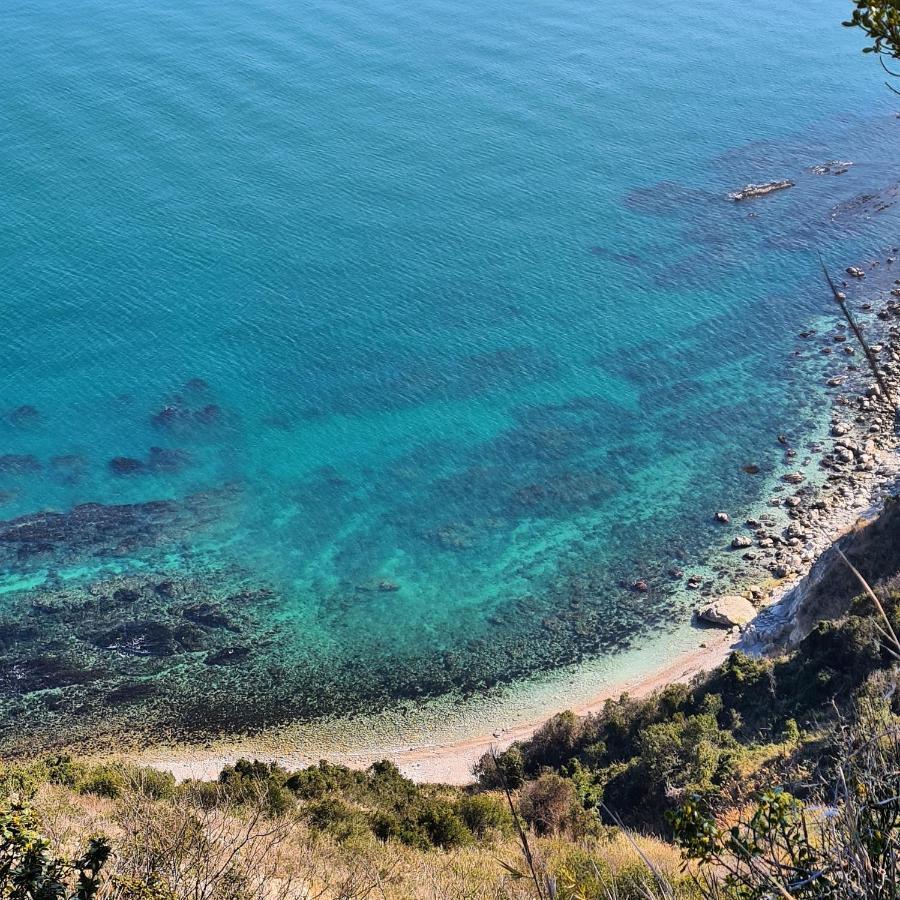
(881, 23)
(765, 777)
(772, 775)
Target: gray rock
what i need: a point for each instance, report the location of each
(759, 190)
(728, 612)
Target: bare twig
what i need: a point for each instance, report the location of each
(841, 301)
(520, 829)
(891, 635)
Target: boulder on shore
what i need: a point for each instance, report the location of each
(728, 612)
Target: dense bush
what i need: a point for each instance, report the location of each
(486, 815)
(29, 870)
(335, 817)
(105, 780)
(154, 784)
(548, 803)
(639, 757)
(844, 841)
(442, 824)
(505, 770)
(255, 781)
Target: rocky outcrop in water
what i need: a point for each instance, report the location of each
(832, 167)
(750, 191)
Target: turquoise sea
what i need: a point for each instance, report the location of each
(365, 351)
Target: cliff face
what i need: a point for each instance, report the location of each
(873, 546)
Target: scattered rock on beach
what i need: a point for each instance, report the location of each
(741, 542)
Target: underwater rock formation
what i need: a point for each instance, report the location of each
(751, 191)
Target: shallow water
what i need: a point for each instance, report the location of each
(437, 317)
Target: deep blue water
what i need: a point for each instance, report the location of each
(444, 298)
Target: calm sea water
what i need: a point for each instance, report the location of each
(440, 302)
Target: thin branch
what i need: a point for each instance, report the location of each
(523, 837)
(841, 301)
(886, 69)
(871, 594)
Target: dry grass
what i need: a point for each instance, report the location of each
(213, 855)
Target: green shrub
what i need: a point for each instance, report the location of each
(588, 784)
(257, 782)
(687, 753)
(548, 803)
(485, 814)
(154, 784)
(205, 794)
(20, 781)
(105, 780)
(791, 734)
(309, 784)
(443, 825)
(254, 770)
(387, 826)
(387, 786)
(327, 779)
(65, 771)
(336, 818)
(508, 769)
(30, 870)
(555, 742)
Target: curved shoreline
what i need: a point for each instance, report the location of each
(428, 746)
(802, 508)
(414, 740)
(441, 761)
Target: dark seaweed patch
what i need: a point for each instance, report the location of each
(207, 615)
(139, 639)
(228, 656)
(25, 416)
(19, 464)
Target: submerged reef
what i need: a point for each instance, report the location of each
(198, 654)
(96, 530)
